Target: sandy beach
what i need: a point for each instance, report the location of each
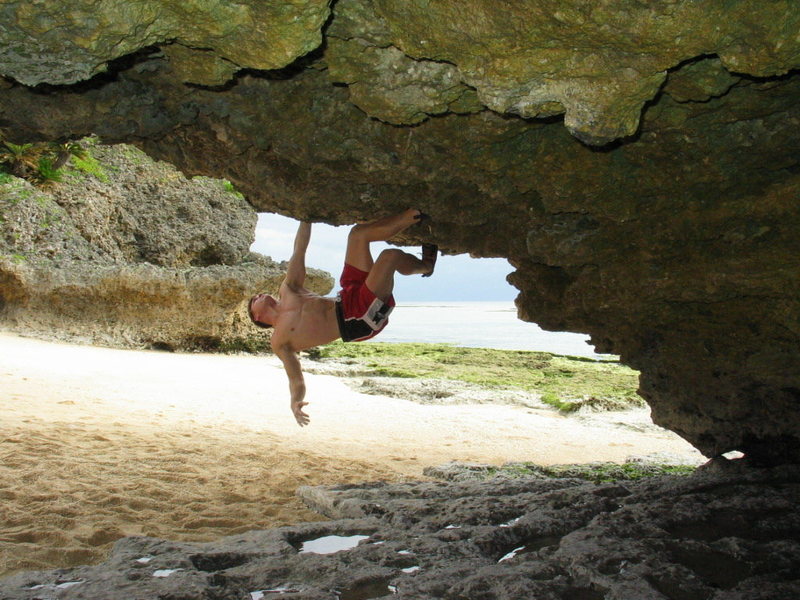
(99, 443)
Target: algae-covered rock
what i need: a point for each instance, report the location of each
(598, 63)
(66, 42)
(383, 81)
(388, 85)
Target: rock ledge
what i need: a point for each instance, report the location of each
(727, 532)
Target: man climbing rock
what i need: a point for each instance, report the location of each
(302, 319)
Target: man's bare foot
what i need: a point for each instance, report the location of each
(430, 253)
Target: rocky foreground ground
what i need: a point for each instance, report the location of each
(728, 531)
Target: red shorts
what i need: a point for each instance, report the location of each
(361, 314)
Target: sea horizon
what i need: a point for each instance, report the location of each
(480, 324)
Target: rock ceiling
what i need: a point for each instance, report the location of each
(637, 162)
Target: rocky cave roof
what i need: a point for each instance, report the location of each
(637, 163)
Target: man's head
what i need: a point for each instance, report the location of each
(261, 309)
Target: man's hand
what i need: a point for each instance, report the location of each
(301, 417)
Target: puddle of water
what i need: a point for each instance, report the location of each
(733, 455)
(58, 586)
(144, 560)
(164, 572)
(511, 522)
(532, 545)
(260, 594)
(331, 543)
(512, 554)
(413, 569)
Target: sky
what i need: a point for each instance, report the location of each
(456, 278)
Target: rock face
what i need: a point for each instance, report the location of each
(636, 162)
(60, 44)
(133, 254)
(722, 533)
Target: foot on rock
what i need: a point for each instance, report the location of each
(429, 254)
(422, 218)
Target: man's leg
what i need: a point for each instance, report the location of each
(380, 280)
(361, 235)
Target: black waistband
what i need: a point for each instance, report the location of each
(340, 319)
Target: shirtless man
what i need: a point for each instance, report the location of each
(302, 319)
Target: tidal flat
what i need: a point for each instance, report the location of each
(567, 383)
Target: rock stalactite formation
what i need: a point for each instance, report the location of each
(638, 163)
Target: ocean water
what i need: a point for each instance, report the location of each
(479, 325)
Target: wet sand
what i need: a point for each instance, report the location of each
(99, 443)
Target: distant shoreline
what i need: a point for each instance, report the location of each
(480, 324)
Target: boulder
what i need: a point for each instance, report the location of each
(133, 254)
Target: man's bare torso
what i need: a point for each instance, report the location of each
(305, 319)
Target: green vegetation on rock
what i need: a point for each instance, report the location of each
(47, 172)
(42, 163)
(89, 165)
(229, 187)
(596, 472)
(566, 383)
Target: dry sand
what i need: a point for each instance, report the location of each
(98, 443)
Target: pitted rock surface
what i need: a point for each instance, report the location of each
(637, 163)
(65, 43)
(727, 532)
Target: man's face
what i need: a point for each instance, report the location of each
(262, 309)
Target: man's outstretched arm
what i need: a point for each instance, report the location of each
(296, 273)
(297, 384)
